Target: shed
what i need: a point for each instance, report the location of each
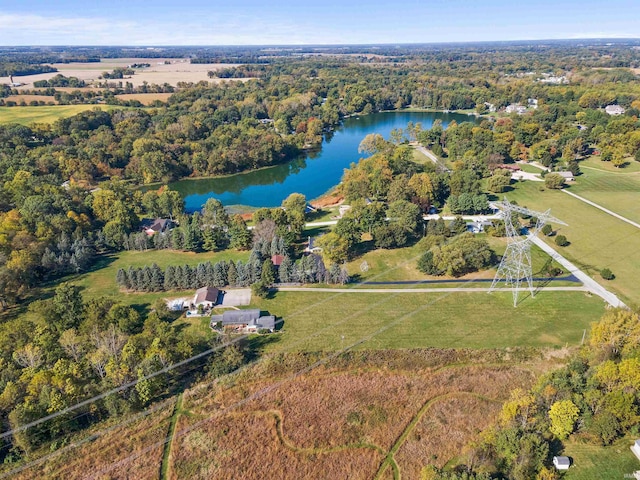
(568, 176)
(277, 259)
(635, 448)
(562, 463)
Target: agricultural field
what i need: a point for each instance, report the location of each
(177, 70)
(44, 114)
(144, 98)
(597, 240)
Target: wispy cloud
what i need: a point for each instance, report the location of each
(26, 29)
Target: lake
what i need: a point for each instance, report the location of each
(313, 174)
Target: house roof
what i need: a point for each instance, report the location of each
(157, 224)
(206, 294)
(277, 259)
(240, 317)
(565, 174)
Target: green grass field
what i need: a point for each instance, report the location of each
(598, 240)
(44, 114)
(317, 321)
(400, 264)
(102, 280)
(617, 191)
(592, 462)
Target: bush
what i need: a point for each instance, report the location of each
(607, 274)
(562, 241)
(554, 181)
(546, 230)
(260, 290)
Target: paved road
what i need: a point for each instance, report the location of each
(422, 290)
(591, 285)
(600, 207)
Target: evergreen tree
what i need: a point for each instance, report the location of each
(146, 279)
(133, 279)
(209, 274)
(179, 278)
(201, 275)
(334, 273)
(176, 238)
(232, 274)
(285, 270)
(219, 279)
(157, 278)
(122, 279)
(170, 278)
(240, 235)
(244, 278)
(267, 276)
(188, 278)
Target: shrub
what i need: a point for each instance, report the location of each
(546, 230)
(554, 181)
(260, 290)
(562, 241)
(607, 274)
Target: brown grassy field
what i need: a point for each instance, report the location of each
(129, 452)
(362, 415)
(178, 70)
(145, 98)
(343, 420)
(29, 98)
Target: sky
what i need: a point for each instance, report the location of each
(282, 22)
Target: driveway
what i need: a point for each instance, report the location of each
(236, 297)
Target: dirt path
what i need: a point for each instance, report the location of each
(390, 458)
(177, 411)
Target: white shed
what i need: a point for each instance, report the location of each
(635, 448)
(562, 463)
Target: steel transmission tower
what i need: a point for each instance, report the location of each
(515, 267)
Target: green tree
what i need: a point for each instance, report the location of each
(561, 241)
(554, 181)
(335, 248)
(268, 275)
(563, 415)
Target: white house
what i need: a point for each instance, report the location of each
(533, 102)
(562, 463)
(635, 448)
(516, 108)
(614, 109)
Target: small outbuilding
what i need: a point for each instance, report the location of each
(158, 225)
(277, 260)
(614, 109)
(561, 463)
(635, 448)
(206, 296)
(568, 176)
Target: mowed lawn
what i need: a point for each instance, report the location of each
(617, 191)
(592, 462)
(319, 321)
(400, 264)
(44, 114)
(101, 281)
(598, 240)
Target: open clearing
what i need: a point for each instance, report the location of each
(329, 321)
(178, 70)
(369, 412)
(597, 240)
(591, 462)
(616, 191)
(44, 114)
(364, 408)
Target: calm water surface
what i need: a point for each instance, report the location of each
(311, 175)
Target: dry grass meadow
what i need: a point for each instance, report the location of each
(362, 415)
